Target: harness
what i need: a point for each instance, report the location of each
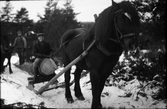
(100, 46)
(103, 49)
(66, 43)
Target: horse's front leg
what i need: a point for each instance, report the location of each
(95, 80)
(104, 75)
(106, 70)
(67, 87)
(77, 88)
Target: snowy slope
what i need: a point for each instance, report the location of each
(13, 89)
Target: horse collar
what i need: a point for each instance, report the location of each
(104, 50)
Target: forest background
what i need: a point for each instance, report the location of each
(56, 21)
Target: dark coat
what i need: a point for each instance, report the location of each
(42, 49)
(20, 43)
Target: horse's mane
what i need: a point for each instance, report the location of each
(104, 25)
(90, 34)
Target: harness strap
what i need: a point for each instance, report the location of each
(87, 49)
(65, 43)
(103, 49)
(128, 35)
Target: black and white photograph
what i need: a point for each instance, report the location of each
(108, 54)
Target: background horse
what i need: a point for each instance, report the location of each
(6, 52)
(115, 30)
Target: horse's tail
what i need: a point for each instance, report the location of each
(70, 34)
(67, 37)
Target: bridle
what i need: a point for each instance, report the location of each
(119, 35)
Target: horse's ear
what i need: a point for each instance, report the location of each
(113, 3)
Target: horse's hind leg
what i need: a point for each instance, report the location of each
(77, 89)
(2, 61)
(67, 87)
(9, 63)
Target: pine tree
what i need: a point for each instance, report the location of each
(56, 21)
(7, 15)
(152, 13)
(23, 20)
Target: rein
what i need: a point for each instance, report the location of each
(65, 43)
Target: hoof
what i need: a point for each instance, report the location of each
(70, 100)
(30, 83)
(96, 106)
(81, 98)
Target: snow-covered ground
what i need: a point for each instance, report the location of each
(13, 89)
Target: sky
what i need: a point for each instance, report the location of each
(86, 8)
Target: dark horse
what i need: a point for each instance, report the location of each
(116, 29)
(6, 52)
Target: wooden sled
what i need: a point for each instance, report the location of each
(56, 85)
(52, 80)
(45, 79)
(45, 73)
(38, 79)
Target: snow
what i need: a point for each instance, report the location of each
(13, 89)
(122, 57)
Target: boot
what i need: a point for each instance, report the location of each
(35, 72)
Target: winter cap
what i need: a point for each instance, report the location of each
(40, 34)
(19, 32)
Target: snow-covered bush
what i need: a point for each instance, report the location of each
(146, 66)
(21, 105)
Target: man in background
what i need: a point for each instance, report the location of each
(20, 45)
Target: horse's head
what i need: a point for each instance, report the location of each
(118, 23)
(126, 22)
(5, 41)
